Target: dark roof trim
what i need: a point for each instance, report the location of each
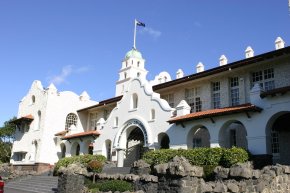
(82, 134)
(27, 118)
(219, 69)
(276, 91)
(216, 112)
(101, 103)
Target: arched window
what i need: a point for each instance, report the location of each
(152, 114)
(138, 64)
(32, 99)
(116, 122)
(125, 75)
(71, 119)
(39, 119)
(134, 101)
(138, 74)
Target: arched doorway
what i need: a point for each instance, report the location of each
(108, 149)
(198, 137)
(278, 135)
(75, 149)
(131, 142)
(233, 133)
(134, 146)
(63, 150)
(34, 150)
(163, 141)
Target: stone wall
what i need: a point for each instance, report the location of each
(179, 176)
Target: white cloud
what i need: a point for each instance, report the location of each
(65, 73)
(154, 33)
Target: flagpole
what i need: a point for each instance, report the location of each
(134, 45)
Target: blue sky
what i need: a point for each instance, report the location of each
(79, 45)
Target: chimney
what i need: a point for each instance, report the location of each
(199, 67)
(179, 74)
(249, 52)
(223, 60)
(279, 43)
(183, 108)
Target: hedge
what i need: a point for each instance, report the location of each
(110, 185)
(199, 156)
(82, 159)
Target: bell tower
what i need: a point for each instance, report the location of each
(133, 66)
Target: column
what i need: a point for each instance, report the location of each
(120, 157)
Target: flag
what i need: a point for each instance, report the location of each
(140, 23)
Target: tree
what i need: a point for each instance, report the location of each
(96, 167)
(6, 139)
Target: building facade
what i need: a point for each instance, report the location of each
(244, 103)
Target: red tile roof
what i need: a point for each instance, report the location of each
(276, 91)
(102, 103)
(82, 134)
(216, 112)
(24, 118)
(61, 133)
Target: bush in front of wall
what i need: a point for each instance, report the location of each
(234, 155)
(199, 156)
(110, 185)
(115, 185)
(82, 159)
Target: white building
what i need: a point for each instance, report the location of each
(244, 103)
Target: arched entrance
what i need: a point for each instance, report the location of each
(134, 147)
(63, 150)
(163, 141)
(75, 149)
(198, 137)
(278, 135)
(34, 150)
(233, 133)
(107, 149)
(132, 142)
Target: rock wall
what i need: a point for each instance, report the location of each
(178, 176)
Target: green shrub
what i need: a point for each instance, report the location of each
(115, 185)
(82, 159)
(209, 172)
(233, 156)
(198, 156)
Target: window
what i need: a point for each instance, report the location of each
(152, 114)
(134, 101)
(116, 123)
(39, 120)
(32, 99)
(71, 119)
(93, 121)
(216, 99)
(192, 97)
(138, 74)
(138, 64)
(196, 142)
(125, 75)
(105, 114)
(234, 91)
(169, 98)
(275, 142)
(265, 78)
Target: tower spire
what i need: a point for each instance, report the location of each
(135, 28)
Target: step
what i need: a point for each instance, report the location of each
(40, 184)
